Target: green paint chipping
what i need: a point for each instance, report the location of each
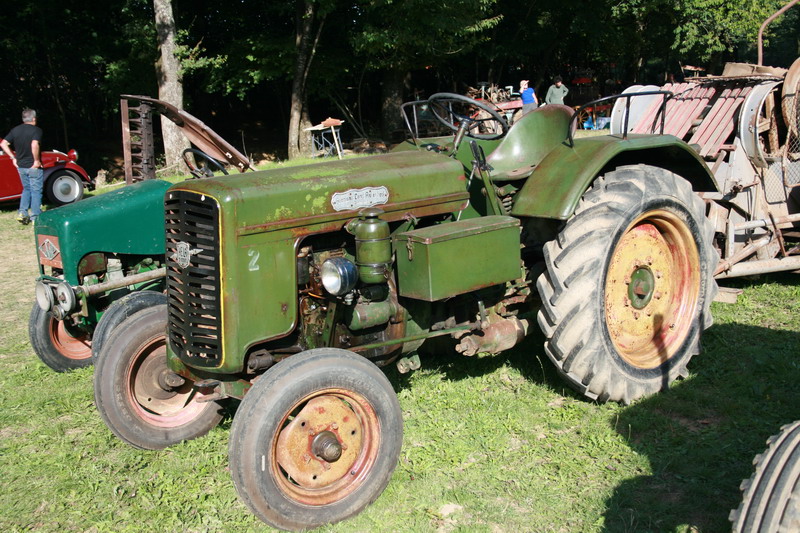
(319, 204)
(281, 213)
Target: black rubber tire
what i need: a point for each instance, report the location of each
(120, 310)
(573, 316)
(260, 420)
(138, 339)
(59, 178)
(54, 345)
(771, 501)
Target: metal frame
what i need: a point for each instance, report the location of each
(627, 97)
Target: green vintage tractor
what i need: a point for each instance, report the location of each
(288, 288)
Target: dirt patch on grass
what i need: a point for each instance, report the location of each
(693, 425)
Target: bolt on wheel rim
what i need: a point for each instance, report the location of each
(325, 447)
(651, 290)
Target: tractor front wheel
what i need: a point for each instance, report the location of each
(316, 439)
(139, 398)
(119, 311)
(57, 345)
(628, 285)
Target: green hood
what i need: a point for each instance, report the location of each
(129, 220)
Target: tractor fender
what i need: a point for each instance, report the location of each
(563, 176)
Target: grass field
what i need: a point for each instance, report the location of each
(491, 444)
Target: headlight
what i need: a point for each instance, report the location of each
(44, 296)
(339, 275)
(66, 297)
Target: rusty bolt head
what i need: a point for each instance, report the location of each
(658, 274)
(657, 295)
(626, 302)
(649, 260)
(636, 315)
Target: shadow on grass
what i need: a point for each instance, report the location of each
(528, 358)
(701, 436)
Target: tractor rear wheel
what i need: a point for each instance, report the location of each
(771, 502)
(628, 285)
(138, 397)
(315, 440)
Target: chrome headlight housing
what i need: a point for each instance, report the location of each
(339, 275)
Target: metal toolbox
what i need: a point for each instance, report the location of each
(453, 258)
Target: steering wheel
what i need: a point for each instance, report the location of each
(206, 166)
(477, 119)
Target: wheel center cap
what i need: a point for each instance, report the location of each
(641, 287)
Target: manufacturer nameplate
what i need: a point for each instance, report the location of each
(358, 198)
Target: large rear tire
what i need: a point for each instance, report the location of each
(138, 397)
(316, 439)
(771, 502)
(628, 285)
(58, 346)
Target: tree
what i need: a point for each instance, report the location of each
(170, 87)
(310, 19)
(706, 30)
(440, 32)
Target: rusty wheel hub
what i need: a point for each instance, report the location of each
(159, 396)
(652, 287)
(326, 449)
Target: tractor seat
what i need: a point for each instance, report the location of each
(528, 141)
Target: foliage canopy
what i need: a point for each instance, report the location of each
(72, 61)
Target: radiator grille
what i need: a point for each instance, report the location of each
(193, 277)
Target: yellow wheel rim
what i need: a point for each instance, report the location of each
(652, 289)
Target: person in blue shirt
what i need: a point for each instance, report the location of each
(529, 100)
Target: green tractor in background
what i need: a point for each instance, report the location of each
(288, 288)
(102, 259)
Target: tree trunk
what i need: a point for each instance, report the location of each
(170, 87)
(394, 81)
(306, 39)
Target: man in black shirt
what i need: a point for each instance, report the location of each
(26, 139)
